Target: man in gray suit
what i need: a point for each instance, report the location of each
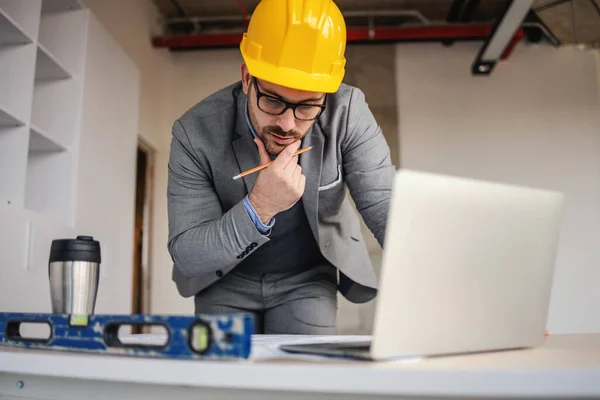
(280, 243)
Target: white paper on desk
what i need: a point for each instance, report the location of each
(266, 347)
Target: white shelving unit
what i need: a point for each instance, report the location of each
(19, 26)
(17, 63)
(40, 141)
(49, 186)
(42, 48)
(47, 67)
(60, 5)
(52, 100)
(13, 164)
(61, 33)
(19, 21)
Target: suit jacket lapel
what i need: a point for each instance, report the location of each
(244, 147)
(311, 163)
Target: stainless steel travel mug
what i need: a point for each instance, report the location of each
(74, 273)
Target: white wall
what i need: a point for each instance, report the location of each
(534, 122)
(107, 167)
(131, 24)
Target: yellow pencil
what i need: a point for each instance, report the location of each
(263, 166)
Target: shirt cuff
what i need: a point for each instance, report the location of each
(255, 218)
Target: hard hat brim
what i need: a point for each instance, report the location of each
(292, 78)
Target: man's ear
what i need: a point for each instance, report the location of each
(245, 78)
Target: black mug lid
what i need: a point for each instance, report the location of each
(83, 248)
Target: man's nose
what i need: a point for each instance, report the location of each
(287, 121)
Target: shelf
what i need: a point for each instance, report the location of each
(17, 66)
(49, 188)
(40, 141)
(13, 165)
(53, 6)
(55, 109)
(19, 21)
(62, 36)
(10, 32)
(48, 67)
(8, 120)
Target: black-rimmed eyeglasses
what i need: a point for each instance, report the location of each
(275, 106)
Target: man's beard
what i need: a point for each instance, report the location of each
(265, 133)
(271, 145)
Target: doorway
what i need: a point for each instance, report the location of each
(143, 212)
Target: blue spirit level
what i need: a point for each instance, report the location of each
(201, 336)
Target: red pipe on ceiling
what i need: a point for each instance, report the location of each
(419, 33)
(443, 32)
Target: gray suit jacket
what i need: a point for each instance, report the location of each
(209, 228)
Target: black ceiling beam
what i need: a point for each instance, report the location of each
(469, 10)
(453, 16)
(178, 8)
(455, 9)
(596, 5)
(462, 10)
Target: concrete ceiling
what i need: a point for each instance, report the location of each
(569, 21)
(573, 22)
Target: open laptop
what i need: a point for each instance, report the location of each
(467, 267)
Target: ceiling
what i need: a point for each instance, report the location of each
(433, 9)
(562, 22)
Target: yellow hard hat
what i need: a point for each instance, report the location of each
(297, 43)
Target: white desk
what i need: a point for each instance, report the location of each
(567, 366)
